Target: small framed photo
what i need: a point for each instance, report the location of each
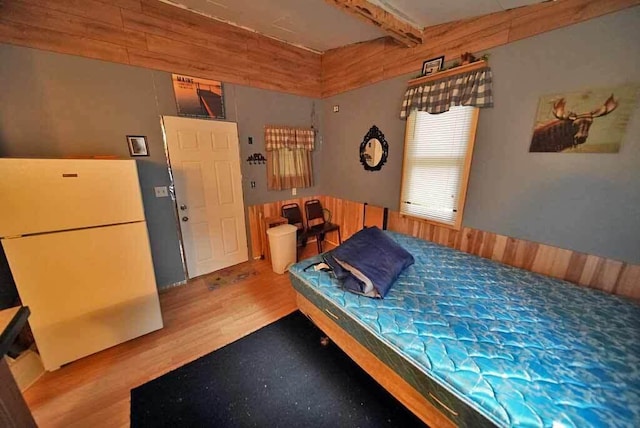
(433, 65)
(138, 145)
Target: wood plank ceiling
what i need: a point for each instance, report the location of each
(152, 34)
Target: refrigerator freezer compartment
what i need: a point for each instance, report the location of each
(46, 195)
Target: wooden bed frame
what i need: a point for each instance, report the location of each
(383, 374)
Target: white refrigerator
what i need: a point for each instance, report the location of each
(75, 236)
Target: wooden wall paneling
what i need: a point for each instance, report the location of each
(55, 41)
(575, 268)
(150, 24)
(352, 66)
(543, 260)
(144, 58)
(30, 13)
(257, 213)
(471, 241)
(284, 68)
(195, 53)
(272, 58)
(269, 52)
(498, 250)
(181, 21)
(560, 263)
(125, 4)
(92, 9)
(185, 42)
(151, 34)
(374, 216)
(589, 270)
(550, 16)
(629, 282)
(453, 39)
(452, 49)
(606, 275)
(592, 271)
(349, 215)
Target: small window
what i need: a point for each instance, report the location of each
(437, 160)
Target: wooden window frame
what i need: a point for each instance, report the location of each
(464, 182)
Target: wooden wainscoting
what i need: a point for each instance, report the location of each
(347, 214)
(608, 275)
(257, 214)
(152, 34)
(611, 276)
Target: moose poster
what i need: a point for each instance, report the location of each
(592, 121)
(198, 97)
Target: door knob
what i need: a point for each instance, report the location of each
(185, 218)
(183, 207)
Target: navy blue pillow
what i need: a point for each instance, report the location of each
(374, 259)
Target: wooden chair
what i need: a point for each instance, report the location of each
(316, 224)
(294, 216)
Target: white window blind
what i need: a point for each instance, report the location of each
(436, 147)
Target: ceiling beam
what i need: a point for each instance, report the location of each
(399, 30)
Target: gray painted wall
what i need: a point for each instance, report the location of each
(55, 105)
(341, 172)
(254, 108)
(584, 202)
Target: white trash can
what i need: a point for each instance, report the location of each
(282, 243)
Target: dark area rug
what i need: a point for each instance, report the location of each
(279, 376)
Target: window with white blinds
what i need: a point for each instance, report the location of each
(437, 155)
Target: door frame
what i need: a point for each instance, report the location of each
(172, 195)
(174, 203)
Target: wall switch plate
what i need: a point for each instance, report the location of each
(161, 192)
(250, 140)
(336, 108)
(253, 184)
(294, 191)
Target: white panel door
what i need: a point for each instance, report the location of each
(205, 160)
(46, 195)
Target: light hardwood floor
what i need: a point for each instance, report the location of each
(94, 391)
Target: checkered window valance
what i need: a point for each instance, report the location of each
(285, 137)
(472, 88)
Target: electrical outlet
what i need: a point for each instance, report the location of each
(336, 108)
(250, 140)
(294, 191)
(253, 184)
(161, 191)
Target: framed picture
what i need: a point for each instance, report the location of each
(138, 145)
(196, 97)
(589, 121)
(433, 65)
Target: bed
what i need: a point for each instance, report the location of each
(465, 341)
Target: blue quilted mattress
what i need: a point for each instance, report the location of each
(515, 347)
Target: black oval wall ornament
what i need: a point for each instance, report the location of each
(374, 150)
